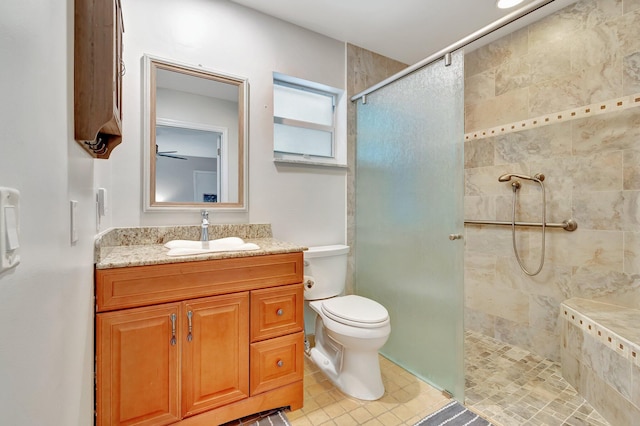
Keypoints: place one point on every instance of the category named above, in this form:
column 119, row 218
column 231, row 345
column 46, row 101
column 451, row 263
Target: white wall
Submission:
column 305, row 205
column 46, row 305
column 175, row 178
column 46, row 342
column 191, row 108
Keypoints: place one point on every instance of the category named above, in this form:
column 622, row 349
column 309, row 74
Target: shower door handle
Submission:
column 455, row 237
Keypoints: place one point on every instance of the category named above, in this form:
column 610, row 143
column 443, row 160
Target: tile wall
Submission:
column 559, row 97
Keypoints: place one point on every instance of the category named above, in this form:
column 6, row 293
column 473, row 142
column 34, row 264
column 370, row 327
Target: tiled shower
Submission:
column 559, row 97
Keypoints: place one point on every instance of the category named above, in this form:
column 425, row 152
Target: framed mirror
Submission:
column 195, row 124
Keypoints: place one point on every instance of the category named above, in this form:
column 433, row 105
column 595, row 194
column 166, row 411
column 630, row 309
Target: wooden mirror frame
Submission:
column 151, row 65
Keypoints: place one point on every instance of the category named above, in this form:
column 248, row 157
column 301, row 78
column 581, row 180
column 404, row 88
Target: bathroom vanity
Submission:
column 197, row 339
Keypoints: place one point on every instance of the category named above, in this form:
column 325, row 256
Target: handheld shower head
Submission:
column 515, row 185
column 539, row 177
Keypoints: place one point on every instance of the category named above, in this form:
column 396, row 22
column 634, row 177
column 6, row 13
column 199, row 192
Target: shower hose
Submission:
column 516, row 187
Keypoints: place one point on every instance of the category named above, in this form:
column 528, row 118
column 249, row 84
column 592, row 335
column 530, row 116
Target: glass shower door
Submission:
column 409, row 200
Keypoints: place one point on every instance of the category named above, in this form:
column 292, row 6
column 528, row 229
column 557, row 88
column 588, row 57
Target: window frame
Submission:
column 338, row 153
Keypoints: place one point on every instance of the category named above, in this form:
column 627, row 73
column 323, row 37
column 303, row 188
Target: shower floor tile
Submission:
column 511, row 386
column 507, row 385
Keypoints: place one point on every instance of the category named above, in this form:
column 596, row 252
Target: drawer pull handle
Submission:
column 280, row 312
column 280, row 363
column 173, row 330
column 190, row 336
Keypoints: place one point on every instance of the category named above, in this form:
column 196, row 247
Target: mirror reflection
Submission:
column 197, row 138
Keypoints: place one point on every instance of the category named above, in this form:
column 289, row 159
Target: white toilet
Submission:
column 349, row 330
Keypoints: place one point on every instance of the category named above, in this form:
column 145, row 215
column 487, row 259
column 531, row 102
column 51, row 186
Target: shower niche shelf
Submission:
column 98, row 74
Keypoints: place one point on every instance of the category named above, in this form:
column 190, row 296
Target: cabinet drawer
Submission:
column 276, row 362
column 276, row 311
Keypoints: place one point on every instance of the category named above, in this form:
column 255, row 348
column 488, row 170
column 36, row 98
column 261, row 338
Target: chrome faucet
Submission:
column 204, row 236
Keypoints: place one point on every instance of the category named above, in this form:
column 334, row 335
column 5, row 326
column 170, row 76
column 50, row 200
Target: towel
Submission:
column 187, row 248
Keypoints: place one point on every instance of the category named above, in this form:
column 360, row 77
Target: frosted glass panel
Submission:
column 302, row 105
column 298, row 140
column 409, row 198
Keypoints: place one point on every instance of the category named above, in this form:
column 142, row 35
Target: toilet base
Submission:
column 359, row 376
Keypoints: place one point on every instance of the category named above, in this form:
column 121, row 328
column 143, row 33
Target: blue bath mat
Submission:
column 453, row 414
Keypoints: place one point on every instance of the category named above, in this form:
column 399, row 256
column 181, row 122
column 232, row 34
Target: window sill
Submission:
column 305, row 162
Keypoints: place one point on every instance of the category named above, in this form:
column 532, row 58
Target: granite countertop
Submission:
column 124, row 247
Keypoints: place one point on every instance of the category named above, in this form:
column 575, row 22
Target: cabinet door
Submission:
column 215, row 352
column 137, row 366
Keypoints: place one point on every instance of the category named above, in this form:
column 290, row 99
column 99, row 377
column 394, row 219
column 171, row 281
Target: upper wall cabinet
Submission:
column 98, row 75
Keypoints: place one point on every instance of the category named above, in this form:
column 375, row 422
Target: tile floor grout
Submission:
column 495, row 373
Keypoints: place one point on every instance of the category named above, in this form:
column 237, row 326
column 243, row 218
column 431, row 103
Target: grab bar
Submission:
column 568, row 225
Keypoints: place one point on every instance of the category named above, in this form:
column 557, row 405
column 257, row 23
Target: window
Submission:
column 304, row 122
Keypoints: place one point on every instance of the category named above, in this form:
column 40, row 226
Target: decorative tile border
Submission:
column 598, row 108
column 625, row 348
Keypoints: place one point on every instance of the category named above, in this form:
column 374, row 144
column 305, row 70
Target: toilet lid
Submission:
column 355, row 309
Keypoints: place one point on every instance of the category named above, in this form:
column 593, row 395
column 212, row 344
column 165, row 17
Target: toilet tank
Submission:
column 326, row 266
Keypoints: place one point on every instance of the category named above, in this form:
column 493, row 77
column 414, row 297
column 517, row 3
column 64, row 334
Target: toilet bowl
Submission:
column 349, row 330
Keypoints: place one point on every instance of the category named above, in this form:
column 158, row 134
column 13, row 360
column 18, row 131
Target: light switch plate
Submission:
column 73, row 205
column 9, row 228
column 102, row 201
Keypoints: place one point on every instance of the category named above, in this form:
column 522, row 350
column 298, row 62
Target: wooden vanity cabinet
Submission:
column 200, row 360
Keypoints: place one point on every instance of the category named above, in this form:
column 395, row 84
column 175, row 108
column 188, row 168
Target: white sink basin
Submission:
column 187, row 247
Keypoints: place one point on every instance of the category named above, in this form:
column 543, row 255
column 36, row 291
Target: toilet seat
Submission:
column 356, row 311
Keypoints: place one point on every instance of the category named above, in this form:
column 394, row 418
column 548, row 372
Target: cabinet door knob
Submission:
column 280, row 363
column 279, row 312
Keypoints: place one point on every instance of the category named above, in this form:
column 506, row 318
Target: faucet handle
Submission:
column 204, row 234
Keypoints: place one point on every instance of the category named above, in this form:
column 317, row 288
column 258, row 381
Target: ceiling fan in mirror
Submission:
column 169, row 154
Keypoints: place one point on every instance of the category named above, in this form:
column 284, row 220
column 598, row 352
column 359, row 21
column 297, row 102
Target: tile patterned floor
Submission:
column 406, row 400
column 511, row 386
column 507, row 385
